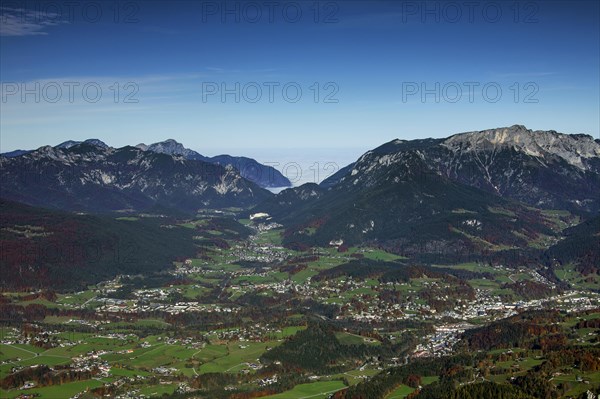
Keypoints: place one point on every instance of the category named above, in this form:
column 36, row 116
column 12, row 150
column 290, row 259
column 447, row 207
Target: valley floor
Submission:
column 251, row 318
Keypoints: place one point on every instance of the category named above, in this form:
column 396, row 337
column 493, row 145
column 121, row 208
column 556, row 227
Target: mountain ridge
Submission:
column 548, row 170
column 263, row 175
column 462, row 193
column 87, row 177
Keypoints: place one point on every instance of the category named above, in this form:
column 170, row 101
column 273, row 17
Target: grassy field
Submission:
column 579, row 386
column 472, row 267
column 128, row 218
column 287, row 332
column 270, row 237
column 158, row 390
column 561, row 219
column 78, row 298
column 56, row 391
column 577, row 280
column 403, row 391
column 314, row 390
column 356, row 376
column 19, row 350
column 378, row 254
column 235, row 357
column 155, row 356
column 28, row 355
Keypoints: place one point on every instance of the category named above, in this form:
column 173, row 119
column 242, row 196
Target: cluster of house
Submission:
column 127, row 306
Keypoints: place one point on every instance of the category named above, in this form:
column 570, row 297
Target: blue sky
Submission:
column 369, row 60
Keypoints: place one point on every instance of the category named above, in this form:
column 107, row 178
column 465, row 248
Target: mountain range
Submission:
column 90, row 177
column 263, row 175
column 471, row 192
column 545, row 169
column 503, row 195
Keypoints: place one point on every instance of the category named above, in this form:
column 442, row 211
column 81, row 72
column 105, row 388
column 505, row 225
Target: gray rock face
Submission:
column 544, row 169
column 576, row 150
column 71, row 143
column 173, row 147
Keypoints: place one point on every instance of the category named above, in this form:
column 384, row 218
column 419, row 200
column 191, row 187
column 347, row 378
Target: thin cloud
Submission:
column 70, row 92
column 523, row 75
column 23, row 22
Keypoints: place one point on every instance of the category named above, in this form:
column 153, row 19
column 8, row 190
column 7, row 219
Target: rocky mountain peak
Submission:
column 67, row 144
column 168, row 146
column 47, row 150
column 545, row 169
column 542, row 144
column 97, row 143
column 71, row 143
